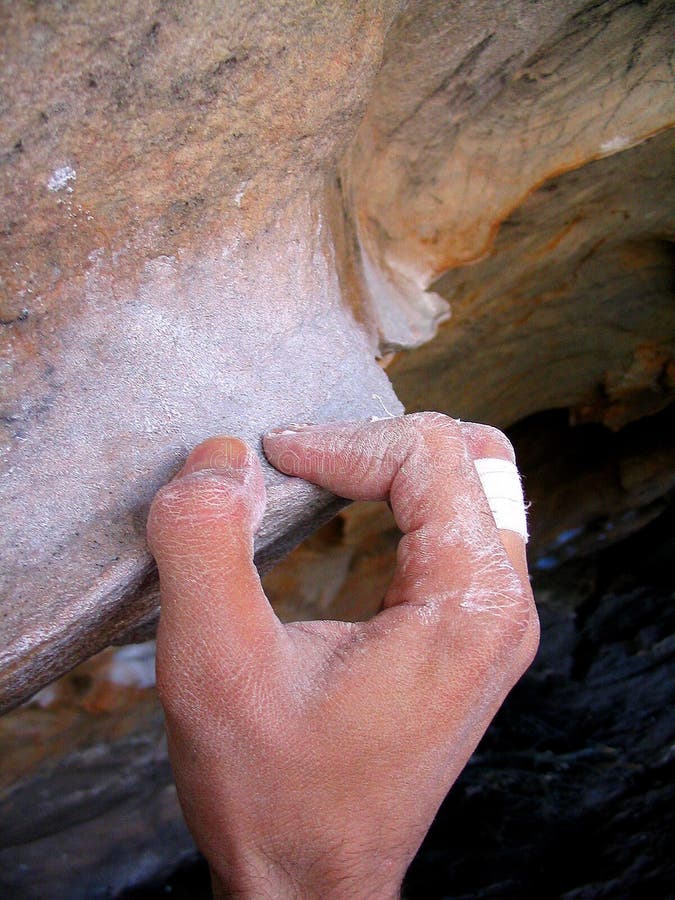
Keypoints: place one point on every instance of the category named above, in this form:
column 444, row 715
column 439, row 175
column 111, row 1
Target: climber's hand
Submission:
column 311, row 758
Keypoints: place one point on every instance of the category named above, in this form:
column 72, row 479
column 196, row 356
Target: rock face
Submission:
column 577, row 291
column 214, row 220
column 88, row 805
column 478, row 105
column 168, row 273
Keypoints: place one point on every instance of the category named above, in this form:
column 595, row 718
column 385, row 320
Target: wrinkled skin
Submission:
column 311, row 758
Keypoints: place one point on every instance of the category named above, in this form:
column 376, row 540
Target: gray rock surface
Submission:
column 168, row 273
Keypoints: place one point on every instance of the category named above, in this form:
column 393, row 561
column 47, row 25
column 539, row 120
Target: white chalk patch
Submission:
column 239, row 196
column 60, row 178
column 501, row 483
column 614, row 144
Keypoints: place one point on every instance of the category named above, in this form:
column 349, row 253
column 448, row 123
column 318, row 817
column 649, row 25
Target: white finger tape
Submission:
column 501, row 483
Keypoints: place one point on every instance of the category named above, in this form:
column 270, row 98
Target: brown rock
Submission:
column 571, row 309
column 476, row 108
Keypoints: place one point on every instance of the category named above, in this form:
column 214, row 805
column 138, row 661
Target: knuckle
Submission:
column 487, row 441
column 519, row 627
column 520, row 612
column 434, row 422
column 530, row 643
column 505, row 601
column 438, row 433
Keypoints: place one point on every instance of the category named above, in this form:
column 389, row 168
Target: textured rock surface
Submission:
column 170, row 243
column 168, row 273
column 476, row 106
column 87, row 804
column 572, row 308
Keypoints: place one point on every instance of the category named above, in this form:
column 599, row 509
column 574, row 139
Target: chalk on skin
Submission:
column 501, row 482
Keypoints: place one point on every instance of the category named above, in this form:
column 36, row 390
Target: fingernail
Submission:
column 224, row 454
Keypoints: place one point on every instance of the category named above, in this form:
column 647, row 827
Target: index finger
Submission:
column 425, row 465
column 459, row 625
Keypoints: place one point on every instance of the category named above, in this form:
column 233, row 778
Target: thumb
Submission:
column 200, row 530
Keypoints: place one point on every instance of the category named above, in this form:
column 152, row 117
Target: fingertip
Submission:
column 220, row 453
column 200, row 530
column 495, row 461
column 221, row 483
column 232, row 461
column 279, row 451
column 351, row 459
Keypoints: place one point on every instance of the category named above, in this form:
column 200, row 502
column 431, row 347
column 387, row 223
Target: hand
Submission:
column 311, row 758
